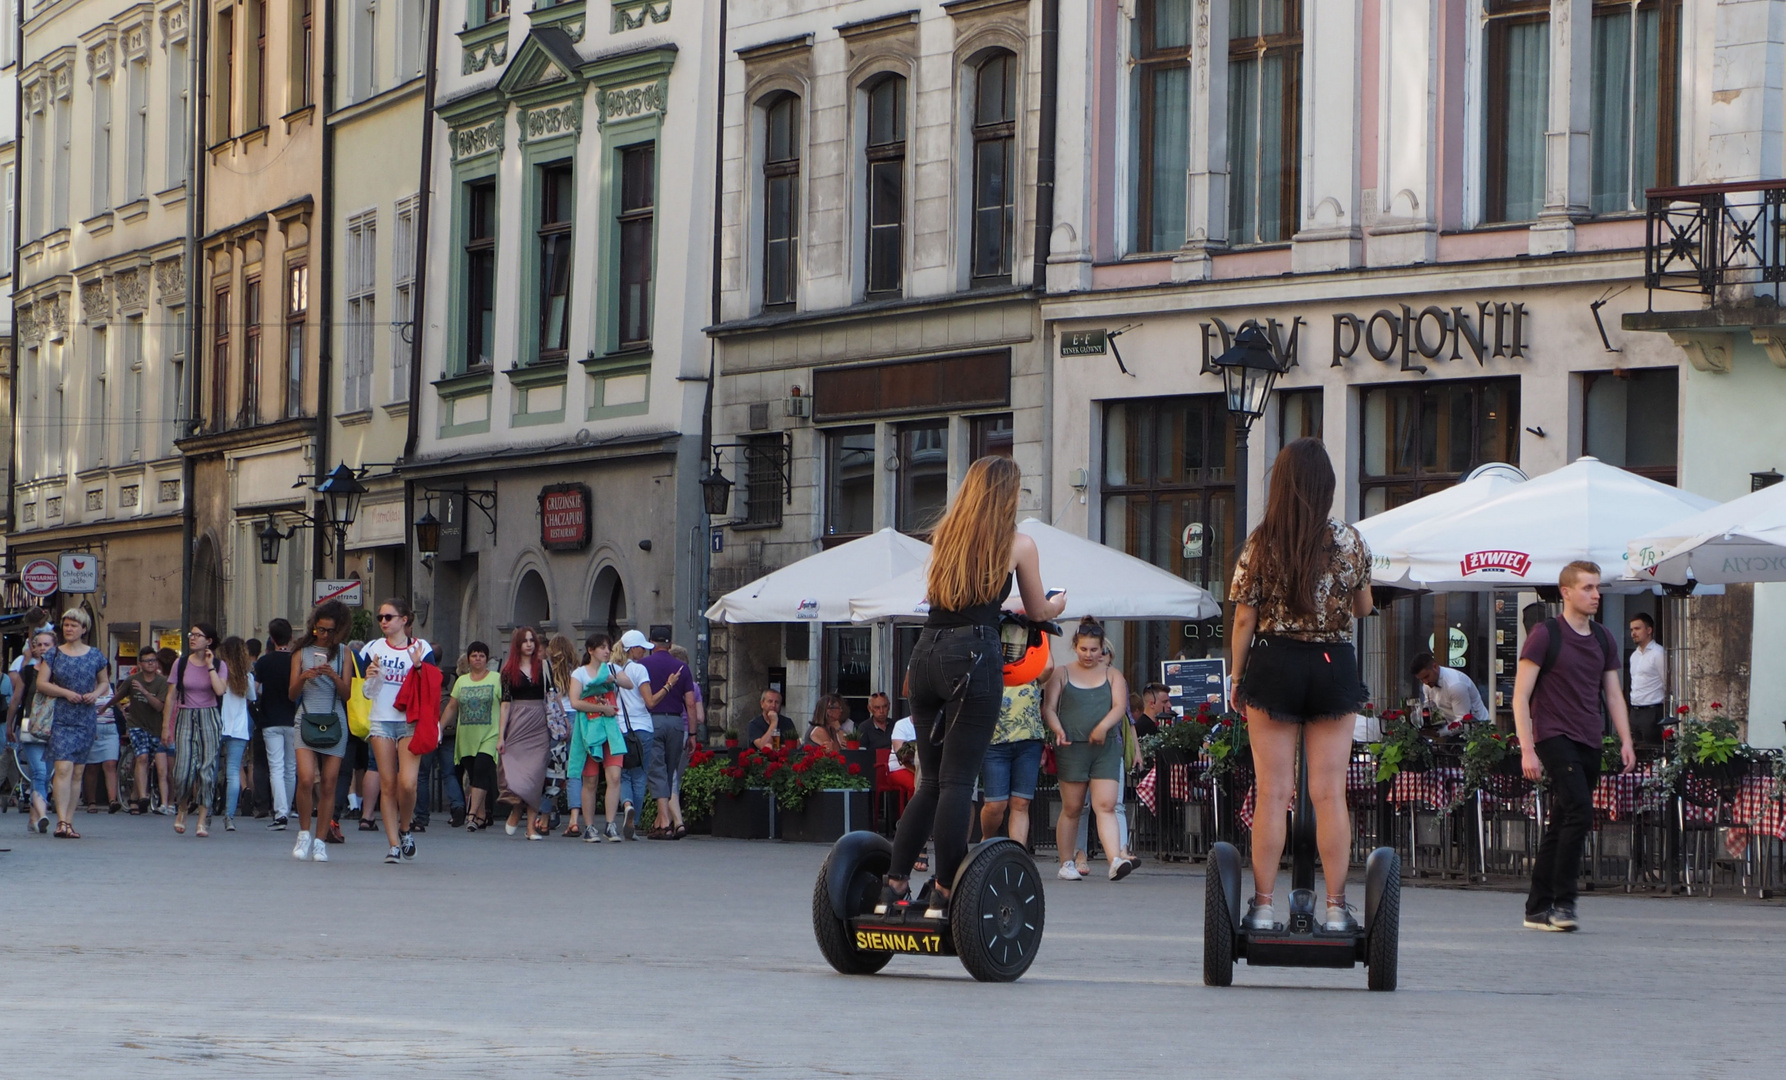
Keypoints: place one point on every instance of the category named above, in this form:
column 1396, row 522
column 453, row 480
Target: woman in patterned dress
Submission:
column 74, row 673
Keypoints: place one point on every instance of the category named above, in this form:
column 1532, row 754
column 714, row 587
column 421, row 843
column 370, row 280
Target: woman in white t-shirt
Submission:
column 387, row 663
column 238, row 691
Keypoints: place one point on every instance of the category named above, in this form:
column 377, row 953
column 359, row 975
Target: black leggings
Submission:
column 944, row 799
column 479, row 771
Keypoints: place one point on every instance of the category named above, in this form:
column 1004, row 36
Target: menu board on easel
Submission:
column 1506, row 651
column 1196, row 682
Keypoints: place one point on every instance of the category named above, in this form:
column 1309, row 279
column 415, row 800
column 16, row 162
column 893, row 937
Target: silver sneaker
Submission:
column 1259, row 917
column 1341, row 919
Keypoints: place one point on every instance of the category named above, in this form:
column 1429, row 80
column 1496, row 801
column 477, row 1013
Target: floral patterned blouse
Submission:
column 1348, row 570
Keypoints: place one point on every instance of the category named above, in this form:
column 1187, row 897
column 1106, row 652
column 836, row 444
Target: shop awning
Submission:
column 1389, row 564
column 1523, row 538
column 1741, row 540
column 818, row 588
column 1099, row 580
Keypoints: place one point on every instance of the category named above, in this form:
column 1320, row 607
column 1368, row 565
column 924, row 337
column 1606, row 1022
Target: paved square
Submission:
column 138, row 953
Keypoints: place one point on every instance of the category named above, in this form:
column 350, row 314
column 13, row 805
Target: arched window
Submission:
column 995, row 167
column 607, row 603
column 532, row 605
column 885, row 247
column 781, row 200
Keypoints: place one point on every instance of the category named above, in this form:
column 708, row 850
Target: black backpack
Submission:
column 1554, row 648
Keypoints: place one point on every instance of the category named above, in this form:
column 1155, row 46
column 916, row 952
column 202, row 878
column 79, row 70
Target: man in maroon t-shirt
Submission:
column 1559, row 725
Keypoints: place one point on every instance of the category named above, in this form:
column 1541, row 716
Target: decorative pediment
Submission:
column 547, row 60
column 475, row 140
column 633, row 14
column 173, row 25
column 547, row 121
column 170, row 277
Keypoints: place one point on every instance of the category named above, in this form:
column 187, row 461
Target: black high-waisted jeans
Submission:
column 944, row 799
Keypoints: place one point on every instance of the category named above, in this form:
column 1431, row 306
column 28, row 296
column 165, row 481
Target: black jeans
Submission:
column 941, row 661
column 1646, row 725
column 1574, row 769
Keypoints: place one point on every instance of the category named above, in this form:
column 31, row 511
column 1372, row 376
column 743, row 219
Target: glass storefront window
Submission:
column 1632, row 419
column 849, row 503
column 849, row 666
column 993, row 435
column 1299, row 415
column 923, row 475
column 1421, row 439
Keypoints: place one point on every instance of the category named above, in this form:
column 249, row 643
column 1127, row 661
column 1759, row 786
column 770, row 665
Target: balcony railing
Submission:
column 1724, row 241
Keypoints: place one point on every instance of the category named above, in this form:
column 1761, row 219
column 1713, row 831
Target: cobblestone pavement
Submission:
column 138, row 953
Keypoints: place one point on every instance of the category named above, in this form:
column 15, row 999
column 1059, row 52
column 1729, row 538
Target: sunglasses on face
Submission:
column 387, row 617
column 321, row 629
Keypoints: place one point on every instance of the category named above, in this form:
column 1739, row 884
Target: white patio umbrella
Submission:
column 1741, row 540
column 819, row 587
column 1584, row 510
column 1099, row 580
column 1389, row 566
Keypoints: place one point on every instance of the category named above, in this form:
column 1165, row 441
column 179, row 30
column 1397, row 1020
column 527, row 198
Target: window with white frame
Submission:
column 179, row 130
column 1636, row 100
column 301, row 71
column 135, row 380
column 297, row 313
column 102, row 144
column 1159, row 124
column 994, row 231
column 256, row 88
column 173, row 382
column 1264, row 119
column 8, row 221
column 361, row 279
column 223, row 77
column 412, row 17
column 1516, row 44
column 781, row 201
column 136, row 120
column 34, row 182
column 884, row 257
column 365, row 49
column 403, row 253
column 96, row 403
column 60, row 171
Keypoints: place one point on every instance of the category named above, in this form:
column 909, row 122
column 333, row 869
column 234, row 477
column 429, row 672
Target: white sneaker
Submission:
column 1069, row 872
column 301, row 850
column 319, row 851
column 1260, row 917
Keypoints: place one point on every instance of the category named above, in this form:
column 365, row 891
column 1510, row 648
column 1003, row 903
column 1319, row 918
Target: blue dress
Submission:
column 76, row 724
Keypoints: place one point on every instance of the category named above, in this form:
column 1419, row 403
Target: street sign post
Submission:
column 79, row 572
column 40, row 577
column 348, row 591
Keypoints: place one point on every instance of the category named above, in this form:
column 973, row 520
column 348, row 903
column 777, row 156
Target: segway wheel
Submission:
column 1382, row 951
column 835, row 939
column 1218, row 930
column 997, row 913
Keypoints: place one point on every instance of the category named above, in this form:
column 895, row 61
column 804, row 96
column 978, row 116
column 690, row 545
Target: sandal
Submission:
column 572, row 830
column 180, row 823
column 203, row 827
column 679, row 832
column 65, row 831
column 368, row 825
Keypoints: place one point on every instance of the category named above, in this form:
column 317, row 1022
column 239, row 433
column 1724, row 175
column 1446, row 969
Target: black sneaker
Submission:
column 1562, row 917
column 395, row 855
column 1540, row 920
column 458, row 818
column 892, row 898
column 937, row 906
column 406, row 844
column 277, row 824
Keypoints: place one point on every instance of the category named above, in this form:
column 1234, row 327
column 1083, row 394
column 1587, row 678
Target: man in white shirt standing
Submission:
column 1649, row 681
column 1450, row 693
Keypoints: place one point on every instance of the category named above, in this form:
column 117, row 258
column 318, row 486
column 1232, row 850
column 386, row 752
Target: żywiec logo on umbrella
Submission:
column 1513, row 562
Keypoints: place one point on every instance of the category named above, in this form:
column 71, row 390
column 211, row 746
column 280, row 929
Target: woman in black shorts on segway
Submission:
column 1300, row 581
column 957, row 667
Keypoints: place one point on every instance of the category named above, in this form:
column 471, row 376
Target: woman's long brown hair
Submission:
column 970, row 550
column 1293, row 543
column 234, row 654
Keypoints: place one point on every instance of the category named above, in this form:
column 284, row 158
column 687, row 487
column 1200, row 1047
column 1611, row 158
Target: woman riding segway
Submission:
column 957, row 668
column 1301, row 580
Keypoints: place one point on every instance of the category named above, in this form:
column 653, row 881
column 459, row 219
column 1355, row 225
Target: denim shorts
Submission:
column 1011, row 769
column 390, row 729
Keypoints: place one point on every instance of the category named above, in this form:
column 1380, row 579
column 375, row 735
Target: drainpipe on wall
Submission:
column 703, row 630
column 325, row 251
column 18, row 221
column 198, row 32
column 418, row 319
column 1049, row 43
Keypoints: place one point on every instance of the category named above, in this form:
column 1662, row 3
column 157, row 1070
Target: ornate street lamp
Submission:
column 344, row 492
column 427, row 532
column 270, row 538
column 716, row 490
column 1249, row 371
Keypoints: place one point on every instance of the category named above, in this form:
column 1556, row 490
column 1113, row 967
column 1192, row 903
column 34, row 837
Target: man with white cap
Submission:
column 635, row 715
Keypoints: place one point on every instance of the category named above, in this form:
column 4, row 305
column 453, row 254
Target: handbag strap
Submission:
column 625, row 716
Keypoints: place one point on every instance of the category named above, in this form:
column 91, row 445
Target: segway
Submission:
column 995, row 913
column 1301, row 942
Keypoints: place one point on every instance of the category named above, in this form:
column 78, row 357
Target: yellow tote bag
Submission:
column 359, row 707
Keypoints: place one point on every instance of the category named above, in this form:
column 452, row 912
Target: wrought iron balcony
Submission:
column 1724, row 241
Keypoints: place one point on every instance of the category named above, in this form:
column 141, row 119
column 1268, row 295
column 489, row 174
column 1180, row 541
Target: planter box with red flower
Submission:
column 826, row 815
column 820, row 795
column 748, row 815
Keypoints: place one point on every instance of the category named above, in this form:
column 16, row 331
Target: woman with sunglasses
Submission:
column 319, row 684
column 388, row 662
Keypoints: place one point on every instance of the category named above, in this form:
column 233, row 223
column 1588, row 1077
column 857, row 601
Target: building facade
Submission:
column 375, row 129
column 101, row 306
column 878, row 330
column 569, row 255
column 1437, row 212
column 9, row 231
column 259, row 444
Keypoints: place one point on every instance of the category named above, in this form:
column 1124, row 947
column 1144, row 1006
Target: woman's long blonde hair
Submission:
column 970, row 550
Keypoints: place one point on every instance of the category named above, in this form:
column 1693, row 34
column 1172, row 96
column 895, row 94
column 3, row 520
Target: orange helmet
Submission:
column 1025, row 648
column 1030, row 667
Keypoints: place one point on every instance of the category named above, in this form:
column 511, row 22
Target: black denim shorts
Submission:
column 1298, row 681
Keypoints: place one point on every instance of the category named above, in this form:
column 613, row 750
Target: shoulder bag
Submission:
column 558, row 721
column 42, row 716
column 359, row 706
column 320, row 731
column 635, row 743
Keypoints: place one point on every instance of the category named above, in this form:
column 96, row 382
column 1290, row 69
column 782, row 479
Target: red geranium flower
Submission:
column 1682, row 711
column 1668, row 733
column 1717, row 705
column 855, row 769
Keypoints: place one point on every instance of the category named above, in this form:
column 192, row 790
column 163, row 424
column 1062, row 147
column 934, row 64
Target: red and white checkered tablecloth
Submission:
column 1361, row 789
column 1433, row 788
column 1760, row 806
column 1620, row 795
column 1186, row 783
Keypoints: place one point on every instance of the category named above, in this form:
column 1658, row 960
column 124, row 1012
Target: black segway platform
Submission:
column 995, row 917
column 1300, row 941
